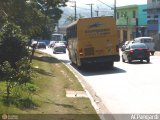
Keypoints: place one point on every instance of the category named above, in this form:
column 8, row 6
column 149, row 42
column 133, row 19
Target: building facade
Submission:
column 153, row 17
column 153, row 21
column 131, row 22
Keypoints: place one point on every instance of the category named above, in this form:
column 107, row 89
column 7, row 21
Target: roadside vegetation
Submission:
column 46, row 93
column 36, row 18
column 35, row 83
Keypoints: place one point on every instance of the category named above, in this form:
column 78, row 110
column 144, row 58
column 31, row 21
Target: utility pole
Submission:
column 91, row 9
column 75, row 10
column 137, row 30
column 115, row 10
column 112, row 8
column 97, row 13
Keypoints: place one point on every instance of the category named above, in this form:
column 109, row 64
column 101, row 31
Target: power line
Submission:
column 97, row 12
column 114, row 8
column 105, row 4
column 83, row 8
column 75, row 10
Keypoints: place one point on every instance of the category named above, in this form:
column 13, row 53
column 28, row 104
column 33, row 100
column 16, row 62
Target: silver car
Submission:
column 59, row 47
column 148, row 41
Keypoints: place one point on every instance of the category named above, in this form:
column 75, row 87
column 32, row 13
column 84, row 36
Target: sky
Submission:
column 99, row 6
column 110, row 2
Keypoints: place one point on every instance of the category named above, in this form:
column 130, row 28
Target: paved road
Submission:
column 127, row 88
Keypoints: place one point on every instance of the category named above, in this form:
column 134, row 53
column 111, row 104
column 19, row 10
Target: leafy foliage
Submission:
column 32, row 18
column 16, row 76
column 15, row 67
column 12, row 44
column 33, row 15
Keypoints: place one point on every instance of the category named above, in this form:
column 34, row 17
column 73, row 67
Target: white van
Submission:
column 148, row 41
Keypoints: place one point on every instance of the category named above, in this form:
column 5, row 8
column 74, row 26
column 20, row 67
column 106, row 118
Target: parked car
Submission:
column 148, row 41
column 59, row 47
column 41, row 45
column 136, row 51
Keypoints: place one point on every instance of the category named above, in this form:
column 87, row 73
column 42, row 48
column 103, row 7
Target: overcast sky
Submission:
column 110, row 2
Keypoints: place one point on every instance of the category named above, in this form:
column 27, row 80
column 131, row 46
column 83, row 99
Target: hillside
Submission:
column 83, row 12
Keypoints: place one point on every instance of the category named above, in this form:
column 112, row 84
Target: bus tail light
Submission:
column 117, row 48
column 81, row 52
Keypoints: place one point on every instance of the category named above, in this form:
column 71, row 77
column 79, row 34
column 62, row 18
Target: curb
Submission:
column 97, row 103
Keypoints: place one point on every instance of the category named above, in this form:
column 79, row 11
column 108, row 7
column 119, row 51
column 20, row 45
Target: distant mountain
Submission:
column 83, row 12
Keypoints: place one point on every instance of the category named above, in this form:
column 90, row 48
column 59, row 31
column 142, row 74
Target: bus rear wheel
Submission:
column 109, row 64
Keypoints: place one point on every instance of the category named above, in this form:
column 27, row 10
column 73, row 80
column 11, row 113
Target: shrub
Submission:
column 12, row 44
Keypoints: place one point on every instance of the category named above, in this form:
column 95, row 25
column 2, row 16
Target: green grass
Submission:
column 52, row 79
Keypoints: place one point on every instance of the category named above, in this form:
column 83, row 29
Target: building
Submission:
column 153, row 21
column 153, row 17
column 131, row 22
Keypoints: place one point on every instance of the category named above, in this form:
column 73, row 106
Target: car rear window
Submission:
column 42, row 43
column 59, row 44
column 135, row 46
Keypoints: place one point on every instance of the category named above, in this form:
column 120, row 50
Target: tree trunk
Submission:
column 8, row 92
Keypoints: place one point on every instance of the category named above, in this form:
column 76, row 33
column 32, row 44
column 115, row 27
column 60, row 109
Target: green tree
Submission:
column 17, row 76
column 51, row 9
column 15, row 66
column 71, row 18
column 33, row 16
column 12, row 44
column 26, row 15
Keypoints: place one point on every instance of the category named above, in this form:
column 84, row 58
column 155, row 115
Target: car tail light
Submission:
column 131, row 51
column 81, row 52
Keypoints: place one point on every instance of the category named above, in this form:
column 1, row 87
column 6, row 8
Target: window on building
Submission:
column 125, row 14
column 148, row 16
column 152, row 22
column 134, row 14
column 156, row 16
column 122, row 14
column 158, row 0
column 117, row 15
column 153, row 0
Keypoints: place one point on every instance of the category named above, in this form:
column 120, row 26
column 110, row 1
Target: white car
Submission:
column 59, row 47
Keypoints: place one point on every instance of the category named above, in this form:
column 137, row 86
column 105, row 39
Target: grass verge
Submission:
column 50, row 102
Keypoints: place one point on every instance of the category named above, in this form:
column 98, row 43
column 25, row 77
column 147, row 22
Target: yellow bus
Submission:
column 93, row 41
